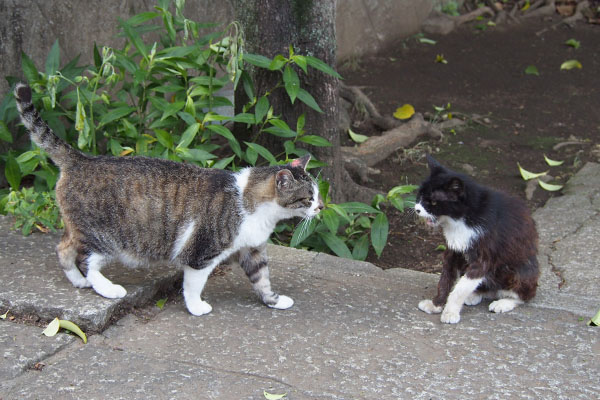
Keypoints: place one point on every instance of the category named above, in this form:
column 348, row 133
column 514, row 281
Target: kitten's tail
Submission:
column 60, row 152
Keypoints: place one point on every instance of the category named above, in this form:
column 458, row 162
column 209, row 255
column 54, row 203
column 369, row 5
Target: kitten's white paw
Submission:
column 473, row 299
column 503, row 305
column 428, row 307
column 450, row 316
column 110, row 291
column 198, row 307
column 283, row 303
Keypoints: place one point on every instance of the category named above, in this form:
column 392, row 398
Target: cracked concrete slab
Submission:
column 33, row 282
column 569, row 228
column 23, row 346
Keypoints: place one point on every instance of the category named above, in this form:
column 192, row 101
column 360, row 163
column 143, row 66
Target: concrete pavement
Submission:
column 354, row 331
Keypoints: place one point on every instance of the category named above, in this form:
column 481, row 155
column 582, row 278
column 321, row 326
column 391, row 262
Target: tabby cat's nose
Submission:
column 321, row 206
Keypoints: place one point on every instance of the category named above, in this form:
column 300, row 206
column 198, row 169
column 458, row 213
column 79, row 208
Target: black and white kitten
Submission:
column 491, row 244
column 141, row 211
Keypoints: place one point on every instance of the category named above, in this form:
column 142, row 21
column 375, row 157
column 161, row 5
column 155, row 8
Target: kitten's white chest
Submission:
column 459, row 236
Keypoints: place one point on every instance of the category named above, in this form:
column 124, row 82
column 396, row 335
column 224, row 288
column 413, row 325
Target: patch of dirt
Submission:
column 521, row 116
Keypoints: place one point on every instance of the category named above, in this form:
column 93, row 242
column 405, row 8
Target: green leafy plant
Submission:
column 164, row 99
column 350, row 229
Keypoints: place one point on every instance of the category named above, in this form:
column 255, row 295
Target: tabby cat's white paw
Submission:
column 450, row 316
column 198, row 307
column 428, row 307
column 283, row 303
column 503, row 305
column 473, row 299
column 76, row 279
column 110, row 291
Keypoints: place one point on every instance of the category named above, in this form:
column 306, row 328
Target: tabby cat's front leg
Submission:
column 254, row 262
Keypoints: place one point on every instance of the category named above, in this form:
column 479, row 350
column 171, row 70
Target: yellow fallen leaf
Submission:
column 358, row 138
column 552, row 163
column 570, row 64
column 529, row 175
column 271, row 396
column 126, row 150
column 549, row 187
column 3, row 316
column 52, row 328
column 404, row 112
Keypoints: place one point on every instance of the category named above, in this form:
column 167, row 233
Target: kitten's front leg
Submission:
column 254, row 263
column 452, row 263
column 464, row 288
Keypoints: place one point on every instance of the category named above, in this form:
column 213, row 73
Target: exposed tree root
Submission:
column 361, row 158
column 444, row 24
column 356, row 97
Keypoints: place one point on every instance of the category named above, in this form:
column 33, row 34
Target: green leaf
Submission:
column 402, row 189
column 529, row 175
column 361, row 248
column 277, row 131
column 5, row 133
column 552, row 163
column 321, row 66
column 356, row 137
column 300, row 124
column 266, row 154
column 115, row 114
column 271, row 396
column 339, row 210
column 291, row 82
column 573, row 43
column 244, row 118
column 331, row 220
column 549, row 187
column 160, row 303
column 441, row 247
column 223, row 163
column 195, row 154
column 379, row 233
column 97, row 57
column 357, row 207
column 53, row 60
column 301, row 62
column 188, row 135
column 315, row 140
column 29, row 70
column 277, row 63
column 397, row 202
column 303, row 230
column 336, row 245
column 226, row 133
column 532, row 70
column 261, row 108
column 141, row 18
column 135, row 38
column 71, row 327
column 570, row 64
column 307, row 99
column 164, row 138
column 12, row 172
column 258, row 60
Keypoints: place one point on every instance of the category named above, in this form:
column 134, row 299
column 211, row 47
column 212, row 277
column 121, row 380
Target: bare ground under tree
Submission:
column 511, row 116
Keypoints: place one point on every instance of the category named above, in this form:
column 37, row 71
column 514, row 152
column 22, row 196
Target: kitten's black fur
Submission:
column 492, row 243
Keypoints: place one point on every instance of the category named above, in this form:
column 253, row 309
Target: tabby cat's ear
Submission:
column 301, row 162
column 284, row 178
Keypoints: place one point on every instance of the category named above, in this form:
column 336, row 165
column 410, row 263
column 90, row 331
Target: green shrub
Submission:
column 160, row 99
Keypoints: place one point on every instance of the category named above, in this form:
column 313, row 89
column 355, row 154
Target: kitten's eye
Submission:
column 433, row 202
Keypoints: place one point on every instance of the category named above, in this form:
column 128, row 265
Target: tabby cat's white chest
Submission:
column 256, row 228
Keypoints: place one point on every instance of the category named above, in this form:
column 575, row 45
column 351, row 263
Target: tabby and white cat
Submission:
column 139, row 210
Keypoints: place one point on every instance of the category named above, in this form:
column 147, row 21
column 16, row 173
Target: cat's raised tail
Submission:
column 60, row 152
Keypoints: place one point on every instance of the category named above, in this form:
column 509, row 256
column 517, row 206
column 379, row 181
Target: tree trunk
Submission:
column 270, row 27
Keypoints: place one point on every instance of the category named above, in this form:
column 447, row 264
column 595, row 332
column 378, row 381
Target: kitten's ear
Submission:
column 284, row 178
column 433, row 164
column 457, row 186
column 301, row 162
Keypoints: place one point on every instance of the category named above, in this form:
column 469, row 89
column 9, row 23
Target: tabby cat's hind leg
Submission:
column 254, row 263
column 67, row 257
column 102, row 285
